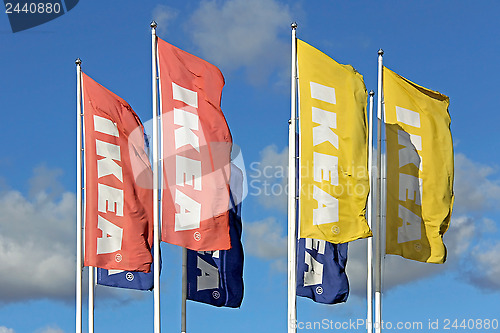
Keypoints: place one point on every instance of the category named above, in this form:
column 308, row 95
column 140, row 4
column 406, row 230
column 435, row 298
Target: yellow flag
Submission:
column 333, row 148
column 419, row 169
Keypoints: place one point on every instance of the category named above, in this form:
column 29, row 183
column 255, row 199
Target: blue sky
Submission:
column 450, row 46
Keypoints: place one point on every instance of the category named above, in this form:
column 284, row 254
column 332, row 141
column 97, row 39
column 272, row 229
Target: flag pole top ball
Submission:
column 372, row 93
column 78, row 61
column 294, row 25
column 380, row 52
column 153, row 24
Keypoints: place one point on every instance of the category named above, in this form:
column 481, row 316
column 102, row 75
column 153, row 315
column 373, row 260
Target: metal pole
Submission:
column 292, row 213
column 91, row 299
column 369, row 257
column 79, row 209
column 184, row 290
column 156, row 224
column 378, row 245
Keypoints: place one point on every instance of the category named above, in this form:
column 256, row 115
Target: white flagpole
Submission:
column 91, row 299
column 292, row 213
column 378, row 245
column 184, row 290
column 369, row 258
column 79, row 210
column 156, row 223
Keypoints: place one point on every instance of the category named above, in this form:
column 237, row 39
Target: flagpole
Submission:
column 78, row 63
column 91, row 299
column 292, row 232
column 378, row 245
column 184, row 290
column 369, row 258
column 156, row 227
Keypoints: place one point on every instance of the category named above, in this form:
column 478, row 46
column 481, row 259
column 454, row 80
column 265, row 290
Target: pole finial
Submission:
column 380, row 52
column 78, row 61
column 294, row 25
column 372, row 93
column 153, row 24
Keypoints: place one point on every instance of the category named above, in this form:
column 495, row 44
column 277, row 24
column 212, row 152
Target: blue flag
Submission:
column 321, row 271
column 216, row 277
column 125, row 279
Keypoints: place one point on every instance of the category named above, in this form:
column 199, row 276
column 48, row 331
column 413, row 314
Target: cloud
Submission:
column 4, row 329
column 50, row 329
column 264, row 239
column 486, row 263
column 37, row 245
column 37, row 241
column 399, row 271
column 242, row 34
column 164, row 16
column 474, row 187
column 268, row 178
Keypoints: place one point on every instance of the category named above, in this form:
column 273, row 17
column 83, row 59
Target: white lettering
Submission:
column 328, row 207
column 323, row 93
column 314, row 273
column 189, row 214
column 185, row 95
column 188, row 172
column 409, row 153
column 107, row 165
column 108, row 197
column 317, row 244
column 209, row 278
column 112, row 235
column 106, row 126
column 407, row 117
column 410, row 230
column 326, row 168
column 410, row 187
column 324, row 132
column 184, row 135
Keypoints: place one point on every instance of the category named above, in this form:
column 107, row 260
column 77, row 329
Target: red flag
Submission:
column 118, row 178
column 196, row 152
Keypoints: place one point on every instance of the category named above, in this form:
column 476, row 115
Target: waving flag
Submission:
column 216, row 277
column 419, row 169
column 126, row 279
column 196, row 152
column 118, row 195
column 333, row 148
column 321, row 271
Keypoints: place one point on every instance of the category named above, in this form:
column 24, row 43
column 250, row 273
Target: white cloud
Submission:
column 268, row 178
column 486, row 261
column 37, row 240
column 4, row 329
column 38, row 247
column 264, row 239
column 240, row 33
column 164, row 16
column 475, row 190
column 400, row 271
column 50, row 329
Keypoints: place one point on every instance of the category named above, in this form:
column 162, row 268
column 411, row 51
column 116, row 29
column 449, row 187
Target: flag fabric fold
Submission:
column 333, row 148
column 196, row 152
column 118, row 194
column 126, row 279
column 419, row 169
column 321, row 272
column 216, row 277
